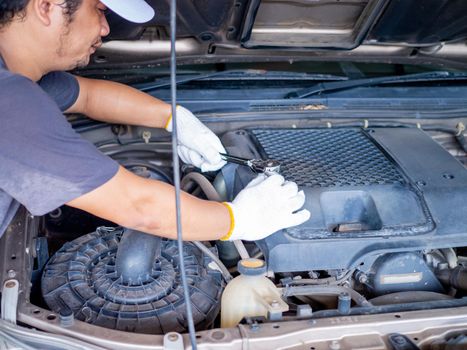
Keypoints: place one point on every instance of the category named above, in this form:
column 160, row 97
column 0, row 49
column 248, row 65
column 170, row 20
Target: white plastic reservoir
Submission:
column 251, row 294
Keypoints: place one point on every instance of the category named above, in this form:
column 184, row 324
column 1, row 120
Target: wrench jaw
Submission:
column 267, row 166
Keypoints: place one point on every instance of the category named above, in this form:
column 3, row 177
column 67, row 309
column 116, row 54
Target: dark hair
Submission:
column 12, row 8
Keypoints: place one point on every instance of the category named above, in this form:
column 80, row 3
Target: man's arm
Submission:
column 116, row 103
column 129, row 200
column 149, row 206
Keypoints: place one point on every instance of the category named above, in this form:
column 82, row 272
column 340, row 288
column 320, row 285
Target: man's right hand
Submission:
column 198, row 145
column 264, row 206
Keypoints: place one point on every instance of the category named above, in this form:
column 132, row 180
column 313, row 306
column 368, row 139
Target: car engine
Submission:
column 388, row 228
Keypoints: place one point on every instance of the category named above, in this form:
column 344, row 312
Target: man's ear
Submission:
column 44, row 10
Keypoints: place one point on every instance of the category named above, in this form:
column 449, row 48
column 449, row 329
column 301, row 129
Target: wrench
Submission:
column 266, row 166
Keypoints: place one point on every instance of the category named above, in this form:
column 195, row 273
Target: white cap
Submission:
column 137, row 11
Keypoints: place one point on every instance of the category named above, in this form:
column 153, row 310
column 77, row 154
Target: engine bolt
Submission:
column 173, row 336
column 274, row 303
column 218, row 335
column 363, row 278
column 146, row 136
column 66, row 317
column 11, row 273
column 399, row 340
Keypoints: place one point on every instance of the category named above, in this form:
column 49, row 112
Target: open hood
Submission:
column 400, row 31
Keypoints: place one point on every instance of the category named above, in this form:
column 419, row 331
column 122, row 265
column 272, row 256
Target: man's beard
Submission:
column 80, row 63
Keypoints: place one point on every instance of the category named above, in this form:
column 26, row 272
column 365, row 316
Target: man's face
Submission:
column 82, row 36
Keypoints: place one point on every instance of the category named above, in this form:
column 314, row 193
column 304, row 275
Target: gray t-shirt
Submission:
column 44, row 163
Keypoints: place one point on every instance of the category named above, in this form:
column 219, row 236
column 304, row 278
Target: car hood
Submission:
column 391, row 31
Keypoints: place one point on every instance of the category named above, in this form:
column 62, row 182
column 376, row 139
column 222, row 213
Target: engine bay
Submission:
column 387, row 233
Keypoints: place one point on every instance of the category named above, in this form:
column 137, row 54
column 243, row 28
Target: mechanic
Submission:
column 44, row 163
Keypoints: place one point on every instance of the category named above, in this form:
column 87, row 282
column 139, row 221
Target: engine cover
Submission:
column 370, row 191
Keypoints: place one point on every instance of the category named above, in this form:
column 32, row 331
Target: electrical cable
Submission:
column 241, row 249
column 176, row 168
column 323, row 281
column 359, row 299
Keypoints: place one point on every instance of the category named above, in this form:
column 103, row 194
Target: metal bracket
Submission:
column 173, row 341
column 10, row 300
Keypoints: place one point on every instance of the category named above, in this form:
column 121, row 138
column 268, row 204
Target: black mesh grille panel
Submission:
column 327, row 158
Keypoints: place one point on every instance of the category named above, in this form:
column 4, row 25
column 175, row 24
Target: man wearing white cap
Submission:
column 44, row 163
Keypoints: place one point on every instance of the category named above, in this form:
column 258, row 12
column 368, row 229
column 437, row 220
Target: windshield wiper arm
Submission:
column 349, row 84
column 241, row 74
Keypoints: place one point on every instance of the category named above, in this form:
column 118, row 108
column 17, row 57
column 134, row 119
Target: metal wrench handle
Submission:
column 237, row 160
column 268, row 166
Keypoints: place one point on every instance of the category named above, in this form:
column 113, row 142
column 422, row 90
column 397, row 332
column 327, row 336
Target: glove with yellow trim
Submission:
column 197, row 145
column 266, row 205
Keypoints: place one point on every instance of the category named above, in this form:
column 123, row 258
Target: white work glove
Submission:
column 264, row 206
column 197, row 145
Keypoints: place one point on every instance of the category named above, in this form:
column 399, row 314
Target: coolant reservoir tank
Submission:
column 251, row 294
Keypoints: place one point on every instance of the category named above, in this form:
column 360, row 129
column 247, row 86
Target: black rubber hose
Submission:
column 135, row 257
column 203, row 183
column 462, row 141
column 456, row 278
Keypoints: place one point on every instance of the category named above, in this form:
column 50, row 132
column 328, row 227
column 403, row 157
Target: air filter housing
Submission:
column 82, row 277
